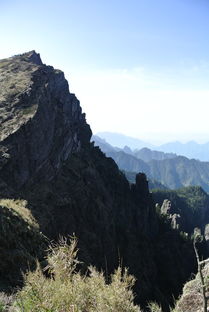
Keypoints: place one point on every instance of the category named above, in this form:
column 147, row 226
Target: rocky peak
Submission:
column 34, row 57
column 41, row 122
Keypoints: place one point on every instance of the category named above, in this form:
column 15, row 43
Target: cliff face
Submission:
column 41, row 122
column 46, row 158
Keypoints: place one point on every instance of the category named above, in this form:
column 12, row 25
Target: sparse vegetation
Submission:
column 4, row 63
column 154, row 307
column 6, row 302
column 68, row 290
column 21, row 243
column 19, row 206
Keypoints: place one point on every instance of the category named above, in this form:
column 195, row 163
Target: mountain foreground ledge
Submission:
column 49, row 167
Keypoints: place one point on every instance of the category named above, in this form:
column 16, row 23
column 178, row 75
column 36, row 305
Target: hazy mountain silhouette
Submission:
column 169, row 169
column 190, row 149
column 121, row 140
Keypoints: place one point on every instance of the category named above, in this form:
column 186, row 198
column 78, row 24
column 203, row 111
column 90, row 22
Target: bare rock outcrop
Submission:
column 41, row 122
column 192, row 299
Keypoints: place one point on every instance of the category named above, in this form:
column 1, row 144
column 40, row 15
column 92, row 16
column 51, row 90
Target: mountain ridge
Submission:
column 190, row 149
column 170, row 170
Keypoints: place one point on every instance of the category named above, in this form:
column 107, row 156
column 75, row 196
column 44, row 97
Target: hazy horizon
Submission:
column 140, row 68
column 148, row 138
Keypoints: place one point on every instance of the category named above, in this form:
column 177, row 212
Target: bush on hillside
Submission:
column 21, row 242
column 68, row 290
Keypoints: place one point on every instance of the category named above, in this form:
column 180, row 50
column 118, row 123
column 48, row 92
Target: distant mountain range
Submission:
column 170, row 170
column 121, row 140
column 144, row 153
column 190, row 149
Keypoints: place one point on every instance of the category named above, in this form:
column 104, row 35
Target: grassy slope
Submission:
column 21, row 243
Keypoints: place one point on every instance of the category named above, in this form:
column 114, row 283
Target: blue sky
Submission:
column 138, row 67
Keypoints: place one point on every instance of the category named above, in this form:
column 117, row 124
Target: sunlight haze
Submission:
column 140, row 68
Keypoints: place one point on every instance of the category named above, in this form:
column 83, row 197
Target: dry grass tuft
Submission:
column 68, row 290
column 19, row 206
column 6, row 302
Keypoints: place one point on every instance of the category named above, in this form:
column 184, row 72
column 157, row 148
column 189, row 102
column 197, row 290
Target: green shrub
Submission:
column 2, row 307
column 67, row 290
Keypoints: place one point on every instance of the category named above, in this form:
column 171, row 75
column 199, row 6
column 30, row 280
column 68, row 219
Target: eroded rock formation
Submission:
column 41, row 121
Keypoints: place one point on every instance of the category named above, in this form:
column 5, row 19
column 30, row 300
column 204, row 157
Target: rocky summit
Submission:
column 69, row 186
column 41, row 122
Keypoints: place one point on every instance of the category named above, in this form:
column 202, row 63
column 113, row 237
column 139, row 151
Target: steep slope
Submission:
column 41, row 122
column 71, row 187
